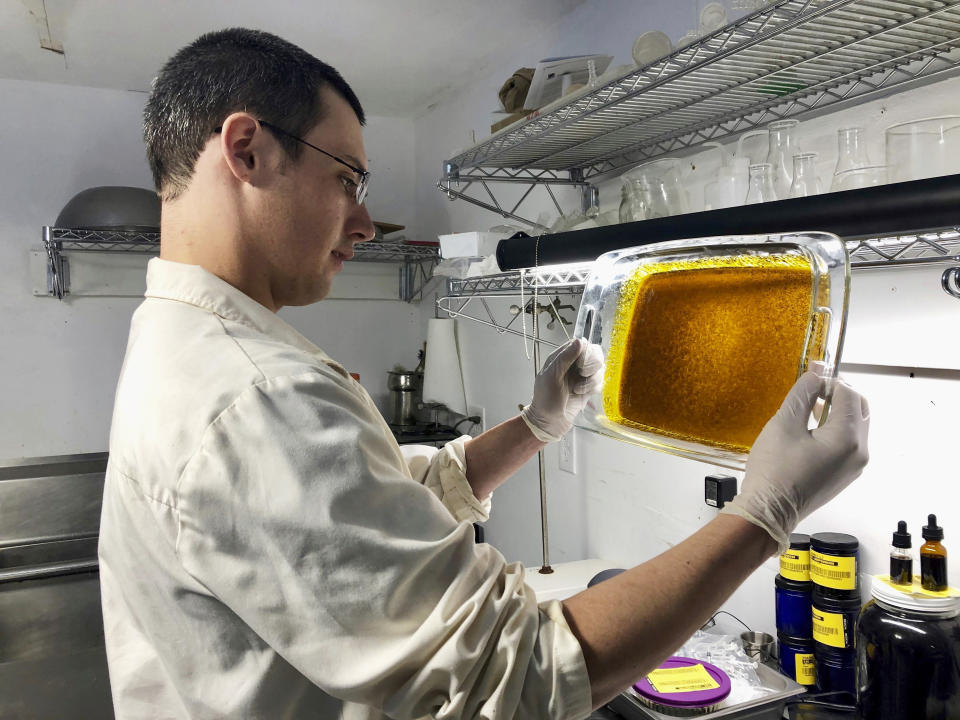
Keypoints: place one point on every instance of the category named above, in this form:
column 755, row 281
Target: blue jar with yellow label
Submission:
column 834, row 620
column 836, row 669
column 793, row 604
column 835, row 564
column 796, row 659
column 795, row 560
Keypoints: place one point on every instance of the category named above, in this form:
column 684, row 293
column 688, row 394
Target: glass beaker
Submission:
column 923, row 148
column 661, row 187
column 805, row 181
column 761, row 184
column 634, row 201
column 783, row 147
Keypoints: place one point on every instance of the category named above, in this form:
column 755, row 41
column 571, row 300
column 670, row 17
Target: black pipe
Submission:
column 881, row 210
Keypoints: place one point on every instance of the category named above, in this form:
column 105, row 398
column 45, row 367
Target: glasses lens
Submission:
column 362, row 189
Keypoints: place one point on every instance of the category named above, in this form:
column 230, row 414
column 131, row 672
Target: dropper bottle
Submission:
column 901, row 563
column 933, row 557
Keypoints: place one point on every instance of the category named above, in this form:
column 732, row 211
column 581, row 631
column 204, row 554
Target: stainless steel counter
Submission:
column 52, row 658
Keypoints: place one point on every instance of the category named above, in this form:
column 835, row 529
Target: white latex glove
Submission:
column 572, row 373
column 791, row 470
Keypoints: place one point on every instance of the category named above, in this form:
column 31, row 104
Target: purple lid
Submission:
column 691, row 698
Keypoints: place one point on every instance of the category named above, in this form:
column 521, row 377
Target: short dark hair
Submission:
column 224, row 72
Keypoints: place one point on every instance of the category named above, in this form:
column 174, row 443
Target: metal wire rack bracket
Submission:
column 791, row 58
column 468, row 298
column 416, row 261
column 465, row 298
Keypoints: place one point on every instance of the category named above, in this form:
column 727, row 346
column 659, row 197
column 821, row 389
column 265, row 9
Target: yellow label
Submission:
column 839, row 573
column 682, row 679
column 805, row 669
column 795, row 565
column 830, row 628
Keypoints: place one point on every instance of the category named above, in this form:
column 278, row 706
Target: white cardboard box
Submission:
column 470, row 244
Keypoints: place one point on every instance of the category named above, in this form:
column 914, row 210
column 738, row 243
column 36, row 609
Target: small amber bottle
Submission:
column 933, row 557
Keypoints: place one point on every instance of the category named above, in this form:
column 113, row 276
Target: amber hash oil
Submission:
column 705, row 349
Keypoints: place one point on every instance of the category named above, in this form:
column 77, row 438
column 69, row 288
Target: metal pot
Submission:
column 406, row 390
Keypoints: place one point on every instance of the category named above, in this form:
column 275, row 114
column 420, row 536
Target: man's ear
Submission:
column 242, row 146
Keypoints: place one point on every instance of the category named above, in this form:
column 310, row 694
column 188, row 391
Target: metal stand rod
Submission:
column 545, row 569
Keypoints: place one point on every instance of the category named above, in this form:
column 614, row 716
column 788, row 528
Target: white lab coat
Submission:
column 268, row 551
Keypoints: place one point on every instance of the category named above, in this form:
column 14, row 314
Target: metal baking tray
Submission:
column 769, row 707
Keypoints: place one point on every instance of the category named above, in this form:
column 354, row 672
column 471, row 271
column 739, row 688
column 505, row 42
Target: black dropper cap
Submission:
column 932, row 531
column 901, row 538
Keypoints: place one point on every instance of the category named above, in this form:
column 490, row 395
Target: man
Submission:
column 267, row 550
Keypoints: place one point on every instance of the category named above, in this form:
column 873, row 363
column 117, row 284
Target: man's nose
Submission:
column 361, row 227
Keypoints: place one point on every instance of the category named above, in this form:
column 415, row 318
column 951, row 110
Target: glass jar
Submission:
column 908, row 655
column 761, row 184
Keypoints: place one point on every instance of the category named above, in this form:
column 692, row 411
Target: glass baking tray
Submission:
column 704, row 338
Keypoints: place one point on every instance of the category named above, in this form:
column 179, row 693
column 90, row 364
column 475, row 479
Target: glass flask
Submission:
column 851, row 150
column 805, row 181
column 761, row 187
column 861, row 177
column 783, row 147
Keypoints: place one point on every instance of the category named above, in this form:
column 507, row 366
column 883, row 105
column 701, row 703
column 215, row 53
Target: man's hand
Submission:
column 568, row 377
column 791, row 470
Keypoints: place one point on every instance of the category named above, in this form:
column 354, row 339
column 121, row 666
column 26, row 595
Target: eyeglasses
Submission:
column 362, row 184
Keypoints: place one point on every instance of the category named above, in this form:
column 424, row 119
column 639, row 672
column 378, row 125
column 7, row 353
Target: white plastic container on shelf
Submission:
column 470, row 244
column 566, row 580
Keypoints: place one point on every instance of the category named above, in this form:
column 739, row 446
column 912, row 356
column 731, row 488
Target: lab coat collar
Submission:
column 192, row 284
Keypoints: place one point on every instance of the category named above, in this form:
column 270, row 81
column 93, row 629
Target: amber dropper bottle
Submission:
column 901, row 563
column 933, row 557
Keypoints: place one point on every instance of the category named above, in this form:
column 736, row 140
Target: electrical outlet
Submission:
column 568, row 452
column 482, row 413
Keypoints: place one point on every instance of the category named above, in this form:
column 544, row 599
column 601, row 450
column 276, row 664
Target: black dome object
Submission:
column 112, row 208
column 604, row 575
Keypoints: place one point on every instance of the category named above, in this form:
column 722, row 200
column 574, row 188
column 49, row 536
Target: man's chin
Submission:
column 307, row 296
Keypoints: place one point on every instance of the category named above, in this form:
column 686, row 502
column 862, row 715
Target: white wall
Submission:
column 59, row 361
column 627, row 504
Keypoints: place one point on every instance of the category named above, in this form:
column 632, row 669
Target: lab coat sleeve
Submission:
column 443, row 472
column 299, row 515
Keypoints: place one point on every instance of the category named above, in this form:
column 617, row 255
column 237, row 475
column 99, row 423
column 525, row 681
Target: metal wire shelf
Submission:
column 910, row 249
column 791, row 58
column 465, row 298
column 416, row 260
